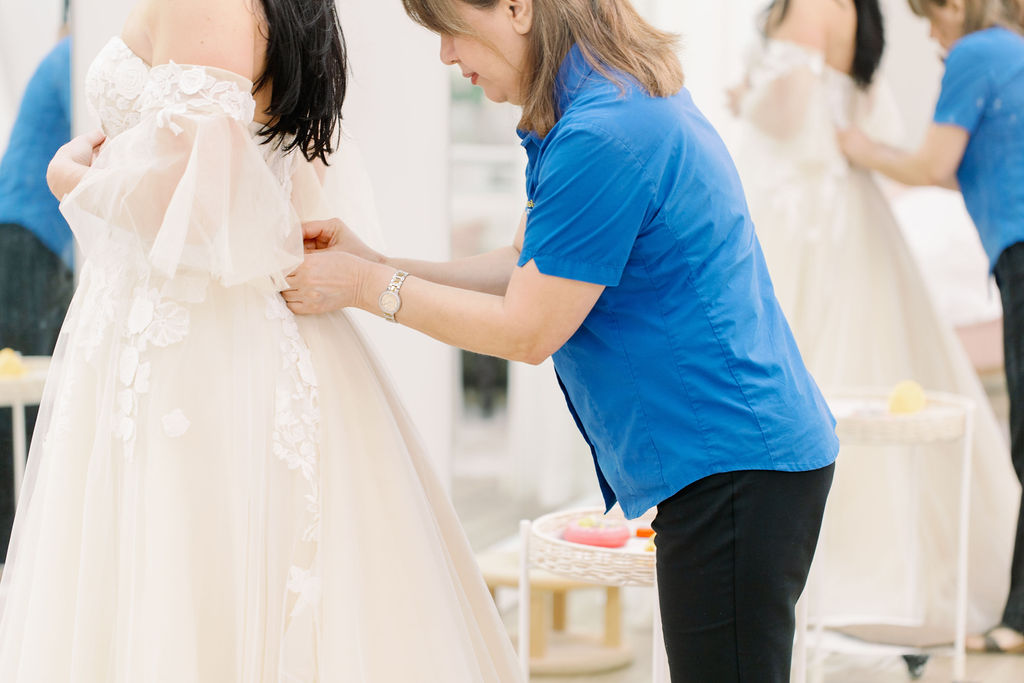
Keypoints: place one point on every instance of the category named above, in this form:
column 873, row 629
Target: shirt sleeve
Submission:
column 965, row 87
column 590, row 200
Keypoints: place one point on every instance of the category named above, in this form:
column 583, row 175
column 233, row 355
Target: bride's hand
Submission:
column 72, row 161
column 328, row 280
column 855, row 145
column 334, row 234
column 735, row 96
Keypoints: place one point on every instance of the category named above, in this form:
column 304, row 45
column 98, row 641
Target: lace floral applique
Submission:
column 174, row 90
column 306, row 587
column 113, row 85
column 296, row 422
column 176, row 423
column 152, row 320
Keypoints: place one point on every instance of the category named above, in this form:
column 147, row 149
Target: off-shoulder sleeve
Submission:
column 786, row 83
column 190, row 186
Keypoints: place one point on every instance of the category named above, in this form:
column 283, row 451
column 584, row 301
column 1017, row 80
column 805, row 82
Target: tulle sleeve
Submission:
column 785, row 83
column 189, row 187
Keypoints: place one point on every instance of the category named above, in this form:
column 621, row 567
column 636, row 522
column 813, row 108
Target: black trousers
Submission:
column 1010, row 278
column 734, row 551
column 35, row 292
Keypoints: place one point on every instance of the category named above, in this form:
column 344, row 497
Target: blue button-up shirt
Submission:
column 42, row 126
column 983, row 93
column 686, row 366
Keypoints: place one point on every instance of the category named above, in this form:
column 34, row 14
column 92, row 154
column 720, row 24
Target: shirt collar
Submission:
column 572, row 76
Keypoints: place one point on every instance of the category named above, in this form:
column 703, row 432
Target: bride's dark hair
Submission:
column 870, row 36
column 307, row 71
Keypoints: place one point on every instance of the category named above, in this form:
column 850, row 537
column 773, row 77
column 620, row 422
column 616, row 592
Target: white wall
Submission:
column 28, row 30
column 398, row 110
column 911, row 68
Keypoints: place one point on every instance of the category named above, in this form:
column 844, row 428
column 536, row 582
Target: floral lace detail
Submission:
column 173, row 90
column 296, row 422
column 176, row 423
column 152, row 320
column 113, row 85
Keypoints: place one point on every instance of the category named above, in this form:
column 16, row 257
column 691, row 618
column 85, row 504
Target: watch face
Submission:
column 389, row 302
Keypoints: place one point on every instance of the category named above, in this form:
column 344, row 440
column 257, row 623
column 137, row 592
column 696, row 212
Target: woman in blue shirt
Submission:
column 976, row 144
column 636, row 267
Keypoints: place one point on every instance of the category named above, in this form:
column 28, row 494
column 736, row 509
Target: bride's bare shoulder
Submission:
column 813, row 23
column 218, row 33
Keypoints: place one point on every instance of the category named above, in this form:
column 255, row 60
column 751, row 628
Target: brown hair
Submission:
column 980, row 14
column 610, row 33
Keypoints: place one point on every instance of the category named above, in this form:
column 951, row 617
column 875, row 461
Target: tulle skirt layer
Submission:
column 218, row 491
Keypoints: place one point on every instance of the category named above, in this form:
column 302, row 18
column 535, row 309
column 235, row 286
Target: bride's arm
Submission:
column 779, row 109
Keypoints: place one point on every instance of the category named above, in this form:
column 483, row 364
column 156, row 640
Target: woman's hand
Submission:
column 72, row 161
column 334, row 234
column 328, row 280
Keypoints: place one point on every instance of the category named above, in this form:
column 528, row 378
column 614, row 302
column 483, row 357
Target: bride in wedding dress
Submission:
column 218, row 491
column 862, row 316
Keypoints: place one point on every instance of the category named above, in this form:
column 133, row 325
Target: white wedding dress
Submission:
column 862, row 316
column 219, row 491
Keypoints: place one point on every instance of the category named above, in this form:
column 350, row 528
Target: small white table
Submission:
column 16, row 393
column 863, row 419
column 542, row 546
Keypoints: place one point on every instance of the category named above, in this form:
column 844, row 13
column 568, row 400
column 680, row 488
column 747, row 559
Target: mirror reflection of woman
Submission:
column 976, row 144
column 862, row 315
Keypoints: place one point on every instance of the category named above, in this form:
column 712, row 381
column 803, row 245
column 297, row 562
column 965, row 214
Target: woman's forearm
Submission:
column 476, row 320
column 905, row 167
column 935, row 162
column 487, row 273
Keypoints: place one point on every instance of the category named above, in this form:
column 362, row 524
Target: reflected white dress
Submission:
column 219, row 491
column 862, row 316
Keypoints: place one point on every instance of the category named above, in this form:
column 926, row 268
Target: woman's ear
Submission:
column 520, row 13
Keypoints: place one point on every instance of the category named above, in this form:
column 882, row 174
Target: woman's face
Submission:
column 494, row 56
column 947, row 22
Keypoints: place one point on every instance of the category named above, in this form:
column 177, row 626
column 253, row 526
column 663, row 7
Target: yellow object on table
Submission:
column 907, row 397
column 11, row 364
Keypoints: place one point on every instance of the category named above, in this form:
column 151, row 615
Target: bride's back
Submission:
column 227, row 34
column 293, row 52
column 826, row 26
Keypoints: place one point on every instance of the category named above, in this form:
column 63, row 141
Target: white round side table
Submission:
column 16, row 393
column 863, row 419
column 542, row 546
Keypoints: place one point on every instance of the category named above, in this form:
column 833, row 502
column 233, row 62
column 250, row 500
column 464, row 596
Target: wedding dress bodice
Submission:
column 121, row 87
column 182, row 177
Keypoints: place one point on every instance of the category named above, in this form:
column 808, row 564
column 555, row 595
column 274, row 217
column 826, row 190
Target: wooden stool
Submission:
column 553, row 649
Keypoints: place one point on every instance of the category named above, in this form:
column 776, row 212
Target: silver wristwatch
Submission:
column 390, row 302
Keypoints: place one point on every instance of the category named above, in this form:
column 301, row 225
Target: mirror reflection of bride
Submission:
column 863, row 316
